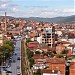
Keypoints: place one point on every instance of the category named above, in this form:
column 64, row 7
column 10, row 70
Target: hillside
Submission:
column 68, row 19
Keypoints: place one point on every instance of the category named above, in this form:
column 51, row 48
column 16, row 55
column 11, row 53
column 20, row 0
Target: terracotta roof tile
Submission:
column 56, row 60
column 72, row 65
column 32, row 45
column 49, row 71
column 38, row 56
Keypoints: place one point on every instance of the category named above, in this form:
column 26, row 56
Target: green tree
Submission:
column 27, row 41
column 29, row 53
column 1, row 54
column 37, row 52
column 38, row 72
column 64, row 52
column 7, row 48
column 54, row 52
column 59, row 56
column 31, row 60
column 17, row 25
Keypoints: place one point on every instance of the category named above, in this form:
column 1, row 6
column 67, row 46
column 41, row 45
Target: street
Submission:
column 15, row 65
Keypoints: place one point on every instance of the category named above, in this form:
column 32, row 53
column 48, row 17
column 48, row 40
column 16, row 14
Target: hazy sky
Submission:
column 37, row 8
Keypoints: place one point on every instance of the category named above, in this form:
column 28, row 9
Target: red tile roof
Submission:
column 38, row 56
column 56, row 60
column 65, row 42
column 32, row 45
column 32, row 34
column 72, row 65
column 49, row 71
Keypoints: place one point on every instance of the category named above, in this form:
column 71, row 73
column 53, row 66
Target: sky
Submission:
column 37, row 8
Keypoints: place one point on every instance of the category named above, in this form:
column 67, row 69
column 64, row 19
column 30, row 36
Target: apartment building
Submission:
column 48, row 36
column 57, row 64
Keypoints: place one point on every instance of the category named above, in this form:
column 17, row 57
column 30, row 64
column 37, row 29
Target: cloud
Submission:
column 69, row 10
column 38, row 12
column 5, row 6
column 33, row 11
column 5, row 0
column 15, row 9
column 41, row 12
column 48, row 12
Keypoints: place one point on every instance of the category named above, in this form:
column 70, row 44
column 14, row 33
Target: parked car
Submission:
column 14, row 61
column 18, row 58
column 18, row 67
column 9, row 64
column 4, row 68
column 8, row 71
column 18, row 73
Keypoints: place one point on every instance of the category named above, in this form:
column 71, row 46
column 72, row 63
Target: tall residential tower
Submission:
column 48, row 36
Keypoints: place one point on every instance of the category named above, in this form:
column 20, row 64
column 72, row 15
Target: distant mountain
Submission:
column 7, row 17
column 68, row 19
column 45, row 19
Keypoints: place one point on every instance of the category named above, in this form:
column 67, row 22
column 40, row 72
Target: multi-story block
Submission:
column 57, row 64
column 72, row 68
column 48, row 36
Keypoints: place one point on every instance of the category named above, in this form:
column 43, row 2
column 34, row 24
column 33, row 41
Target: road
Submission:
column 16, row 63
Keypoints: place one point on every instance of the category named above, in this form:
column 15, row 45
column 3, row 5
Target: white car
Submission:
column 18, row 73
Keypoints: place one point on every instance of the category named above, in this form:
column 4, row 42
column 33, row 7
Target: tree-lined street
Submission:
column 15, row 60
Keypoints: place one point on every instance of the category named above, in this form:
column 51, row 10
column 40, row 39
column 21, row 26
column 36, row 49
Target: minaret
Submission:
column 5, row 23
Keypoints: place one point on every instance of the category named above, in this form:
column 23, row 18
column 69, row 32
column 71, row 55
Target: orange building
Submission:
column 59, row 48
column 72, row 68
column 57, row 64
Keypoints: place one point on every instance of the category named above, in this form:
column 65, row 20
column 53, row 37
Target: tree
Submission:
column 27, row 41
column 54, row 52
column 17, row 25
column 1, row 56
column 31, row 60
column 7, row 48
column 29, row 53
column 37, row 52
column 64, row 52
column 38, row 72
column 59, row 56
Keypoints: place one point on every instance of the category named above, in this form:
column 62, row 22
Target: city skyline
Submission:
column 37, row 8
